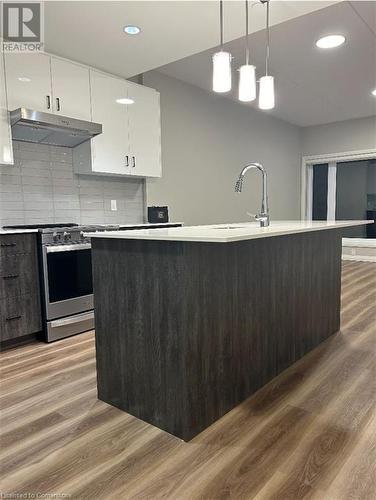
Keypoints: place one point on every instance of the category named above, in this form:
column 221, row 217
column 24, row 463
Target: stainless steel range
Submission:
column 66, row 278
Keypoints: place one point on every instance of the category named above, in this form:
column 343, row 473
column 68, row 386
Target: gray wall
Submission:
column 206, row 139
column 350, row 135
column 42, row 187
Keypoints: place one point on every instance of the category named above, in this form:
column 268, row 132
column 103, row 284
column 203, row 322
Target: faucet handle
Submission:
column 254, row 216
column 262, row 218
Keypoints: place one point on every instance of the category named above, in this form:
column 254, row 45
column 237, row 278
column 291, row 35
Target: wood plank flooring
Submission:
column 310, row 433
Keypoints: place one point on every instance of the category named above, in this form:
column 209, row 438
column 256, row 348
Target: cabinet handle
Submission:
column 10, row 277
column 48, row 101
column 133, row 161
column 127, row 161
column 10, row 318
column 58, row 104
column 8, row 244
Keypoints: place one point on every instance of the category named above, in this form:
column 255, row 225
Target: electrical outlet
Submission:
column 113, row 205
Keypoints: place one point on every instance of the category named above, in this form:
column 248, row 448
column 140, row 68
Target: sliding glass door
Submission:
column 342, row 191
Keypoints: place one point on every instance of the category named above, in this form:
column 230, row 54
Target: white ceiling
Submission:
column 91, row 31
column 312, row 86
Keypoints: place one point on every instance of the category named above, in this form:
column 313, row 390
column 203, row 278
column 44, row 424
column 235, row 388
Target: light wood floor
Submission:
column 310, row 433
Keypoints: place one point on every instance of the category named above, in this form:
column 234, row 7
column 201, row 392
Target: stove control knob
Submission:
column 66, row 236
column 55, row 236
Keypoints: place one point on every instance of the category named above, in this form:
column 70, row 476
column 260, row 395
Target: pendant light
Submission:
column 266, row 91
column 221, row 62
column 247, row 72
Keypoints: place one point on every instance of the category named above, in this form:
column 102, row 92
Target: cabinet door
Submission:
column 6, row 150
column 111, row 148
column 144, row 131
column 28, row 78
column 70, row 89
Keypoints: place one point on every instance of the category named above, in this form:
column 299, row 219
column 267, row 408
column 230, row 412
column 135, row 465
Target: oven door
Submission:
column 68, row 284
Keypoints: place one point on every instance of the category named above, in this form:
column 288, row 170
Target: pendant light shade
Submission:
column 247, row 83
column 222, row 71
column 247, row 72
column 266, row 92
column 222, row 80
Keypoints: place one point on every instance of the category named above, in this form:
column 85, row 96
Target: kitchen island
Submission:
column 191, row 321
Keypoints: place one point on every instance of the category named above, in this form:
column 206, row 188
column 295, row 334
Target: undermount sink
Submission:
column 230, row 227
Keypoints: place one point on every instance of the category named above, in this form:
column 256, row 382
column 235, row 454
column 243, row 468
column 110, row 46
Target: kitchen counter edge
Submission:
column 218, row 233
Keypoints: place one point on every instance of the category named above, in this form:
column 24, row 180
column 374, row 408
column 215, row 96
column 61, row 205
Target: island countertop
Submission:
column 227, row 233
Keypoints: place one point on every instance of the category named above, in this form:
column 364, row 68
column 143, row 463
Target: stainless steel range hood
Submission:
column 46, row 128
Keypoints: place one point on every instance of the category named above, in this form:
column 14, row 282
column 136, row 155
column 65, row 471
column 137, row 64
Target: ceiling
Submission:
column 179, row 37
column 313, row 86
column 91, row 32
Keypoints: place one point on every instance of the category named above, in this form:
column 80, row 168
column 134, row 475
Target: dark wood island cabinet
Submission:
column 188, row 328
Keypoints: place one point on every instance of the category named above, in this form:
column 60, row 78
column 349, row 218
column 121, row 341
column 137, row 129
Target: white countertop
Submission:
column 146, row 224
column 18, row 231
column 227, row 233
column 151, row 224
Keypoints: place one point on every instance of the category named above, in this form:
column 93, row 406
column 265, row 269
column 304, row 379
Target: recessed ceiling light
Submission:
column 330, row 41
column 131, row 30
column 24, row 79
column 373, row 92
column 125, row 100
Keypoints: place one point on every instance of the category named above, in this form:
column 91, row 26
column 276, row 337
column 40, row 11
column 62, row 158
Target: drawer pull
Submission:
column 8, row 244
column 11, row 318
column 11, row 277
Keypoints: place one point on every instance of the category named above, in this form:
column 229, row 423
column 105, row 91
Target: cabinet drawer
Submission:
column 19, row 316
column 11, row 244
column 18, row 275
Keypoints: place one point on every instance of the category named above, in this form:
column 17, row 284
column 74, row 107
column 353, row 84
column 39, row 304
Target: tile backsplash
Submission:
column 41, row 187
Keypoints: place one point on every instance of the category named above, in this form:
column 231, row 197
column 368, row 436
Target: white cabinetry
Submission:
column 130, row 143
column 70, row 89
column 44, row 83
column 144, row 131
column 6, row 150
column 111, row 148
column 28, row 81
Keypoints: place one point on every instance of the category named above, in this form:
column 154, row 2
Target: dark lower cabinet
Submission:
column 20, row 311
column 20, row 316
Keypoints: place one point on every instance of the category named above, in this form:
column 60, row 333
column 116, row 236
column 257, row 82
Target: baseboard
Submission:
column 360, row 258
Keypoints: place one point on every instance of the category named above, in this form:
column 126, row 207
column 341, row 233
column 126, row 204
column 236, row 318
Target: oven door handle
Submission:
column 72, row 320
column 67, row 248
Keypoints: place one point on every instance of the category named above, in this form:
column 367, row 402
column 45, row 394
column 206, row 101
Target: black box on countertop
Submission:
column 157, row 214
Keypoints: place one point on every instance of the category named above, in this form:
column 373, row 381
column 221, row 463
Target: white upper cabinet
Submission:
column 144, row 131
column 44, row 83
column 70, row 89
column 130, row 143
column 6, row 150
column 28, row 79
column 111, row 148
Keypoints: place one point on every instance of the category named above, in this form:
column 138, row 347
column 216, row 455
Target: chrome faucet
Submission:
column 262, row 217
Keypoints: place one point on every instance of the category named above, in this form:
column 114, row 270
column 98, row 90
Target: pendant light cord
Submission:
column 267, row 39
column 246, row 34
column 221, row 22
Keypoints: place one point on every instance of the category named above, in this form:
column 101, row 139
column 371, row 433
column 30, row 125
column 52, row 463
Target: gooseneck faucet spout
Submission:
column 263, row 216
